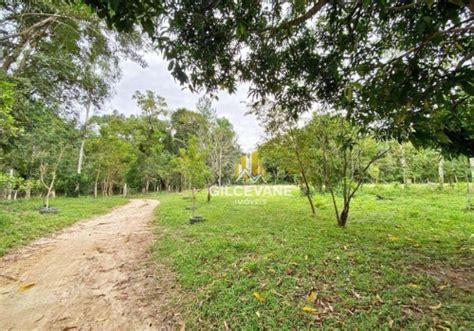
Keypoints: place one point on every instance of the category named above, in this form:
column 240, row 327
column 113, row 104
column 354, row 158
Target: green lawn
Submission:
column 20, row 221
column 404, row 262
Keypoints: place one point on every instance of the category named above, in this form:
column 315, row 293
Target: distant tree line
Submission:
column 158, row 149
column 59, row 64
column 330, row 154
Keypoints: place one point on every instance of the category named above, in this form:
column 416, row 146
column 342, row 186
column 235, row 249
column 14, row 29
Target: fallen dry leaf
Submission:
column 276, row 293
column 309, row 310
column 357, row 295
column 436, row 307
column 258, row 296
column 26, row 286
column 378, row 299
column 312, row 296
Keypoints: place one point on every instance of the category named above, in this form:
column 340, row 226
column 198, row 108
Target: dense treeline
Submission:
column 58, row 66
column 140, row 153
column 403, row 163
column 329, row 154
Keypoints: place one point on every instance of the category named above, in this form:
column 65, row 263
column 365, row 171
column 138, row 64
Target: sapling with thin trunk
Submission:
column 43, row 174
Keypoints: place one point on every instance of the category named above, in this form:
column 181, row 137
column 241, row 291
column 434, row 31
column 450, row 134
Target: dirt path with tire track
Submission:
column 94, row 275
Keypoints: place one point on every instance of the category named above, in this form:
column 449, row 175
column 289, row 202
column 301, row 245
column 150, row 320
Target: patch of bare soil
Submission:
column 462, row 277
column 94, row 275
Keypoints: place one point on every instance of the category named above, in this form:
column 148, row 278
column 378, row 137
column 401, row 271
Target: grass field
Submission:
column 20, row 221
column 403, row 262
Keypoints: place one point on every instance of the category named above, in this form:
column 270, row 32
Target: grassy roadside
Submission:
column 20, row 221
column 404, row 262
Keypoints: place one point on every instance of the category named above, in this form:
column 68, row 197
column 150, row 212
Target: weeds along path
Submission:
column 93, row 275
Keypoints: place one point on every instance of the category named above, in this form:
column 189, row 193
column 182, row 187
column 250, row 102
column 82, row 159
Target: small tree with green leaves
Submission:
column 346, row 157
column 193, row 166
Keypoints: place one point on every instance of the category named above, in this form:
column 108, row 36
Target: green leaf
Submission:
column 241, row 31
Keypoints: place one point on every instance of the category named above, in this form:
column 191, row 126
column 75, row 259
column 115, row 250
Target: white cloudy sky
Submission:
column 157, row 78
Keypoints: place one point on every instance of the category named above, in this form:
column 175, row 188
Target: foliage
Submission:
column 402, row 162
column 8, row 129
column 58, row 57
column 192, row 162
column 345, row 158
column 402, row 69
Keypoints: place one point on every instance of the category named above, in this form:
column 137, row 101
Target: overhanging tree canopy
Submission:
column 400, row 68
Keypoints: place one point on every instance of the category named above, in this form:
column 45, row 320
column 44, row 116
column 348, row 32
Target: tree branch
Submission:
column 37, row 25
column 301, row 19
column 375, row 158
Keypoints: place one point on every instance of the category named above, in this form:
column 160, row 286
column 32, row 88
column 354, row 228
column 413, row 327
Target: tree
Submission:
column 149, row 134
column 278, row 159
column 402, row 69
column 8, row 129
column 49, row 143
column 192, row 161
column 111, row 152
column 61, row 59
column 278, row 124
column 186, row 124
column 224, row 150
column 346, row 157
column 61, row 47
column 96, row 81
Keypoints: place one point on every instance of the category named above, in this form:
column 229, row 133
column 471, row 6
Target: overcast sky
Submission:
column 156, row 77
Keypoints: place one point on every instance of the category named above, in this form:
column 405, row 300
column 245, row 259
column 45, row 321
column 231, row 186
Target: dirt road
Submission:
column 93, row 275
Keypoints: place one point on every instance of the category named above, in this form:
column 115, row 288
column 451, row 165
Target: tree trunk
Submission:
column 111, row 188
column 95, row 189
column 96, row 182
column 105, row 186
column 27, row 193
column 303, row 175
column 194, row 200
column 83, row 142
column 125, row 189
column 26, row 36
column 342, row 220
column 441, row 171
column 50, row 191
column 46, row 201
column 79, row 166
column 468, row 183
column 219, row 178
column 147, row 186
column 8, row 193
column 209, row 194
column 404, row 164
